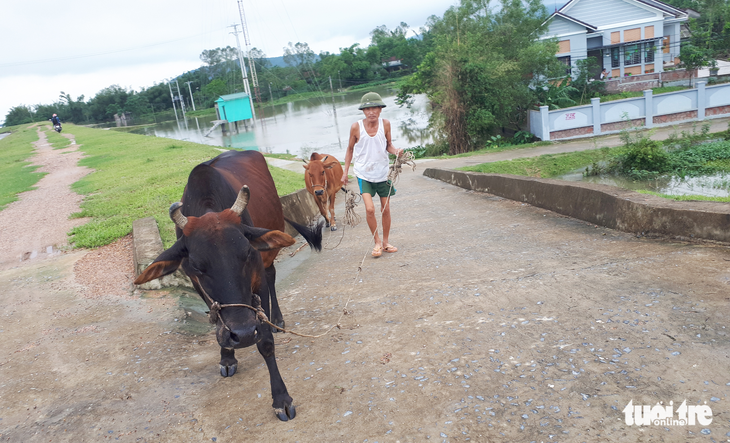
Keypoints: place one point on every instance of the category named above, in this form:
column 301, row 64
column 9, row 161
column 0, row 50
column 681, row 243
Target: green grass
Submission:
column 16, row 175
column 688, row 197
column 545, row 166
column 56, row 140
column 137, row 176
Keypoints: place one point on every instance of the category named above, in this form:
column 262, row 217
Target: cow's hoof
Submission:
column 333, row 228
column 287, row 413
column 327, row 224
column 228, row 371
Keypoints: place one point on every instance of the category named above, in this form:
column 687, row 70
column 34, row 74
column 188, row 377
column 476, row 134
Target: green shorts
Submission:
column 383, row 189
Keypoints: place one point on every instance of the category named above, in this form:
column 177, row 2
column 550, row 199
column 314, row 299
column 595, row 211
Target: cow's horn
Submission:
column 241, row 201
column 177, row 216
column 325, row 158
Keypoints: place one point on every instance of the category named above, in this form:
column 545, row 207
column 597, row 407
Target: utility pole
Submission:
column 182, row 102
column 172, row 97
column 271, row 96
column 334, row 111
column 243, row 70
column 247, row 41
column 191, row 95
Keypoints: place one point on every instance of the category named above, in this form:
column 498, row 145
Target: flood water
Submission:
column 716, row 185
column 304, row 126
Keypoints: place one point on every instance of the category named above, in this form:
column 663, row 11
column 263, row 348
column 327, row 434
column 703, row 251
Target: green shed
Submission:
column 234, row 107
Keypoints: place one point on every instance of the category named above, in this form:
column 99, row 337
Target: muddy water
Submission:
column 715, row 185
column 304, row 126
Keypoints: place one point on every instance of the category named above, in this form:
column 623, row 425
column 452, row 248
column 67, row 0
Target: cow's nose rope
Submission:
column 216, row 308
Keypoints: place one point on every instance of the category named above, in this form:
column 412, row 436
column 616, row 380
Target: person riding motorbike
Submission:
column 56, row 123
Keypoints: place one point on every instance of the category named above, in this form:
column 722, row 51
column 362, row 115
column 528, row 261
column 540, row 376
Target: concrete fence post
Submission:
column 648, row 108
column 701, row 100
column 545, row 120
column 596, row 103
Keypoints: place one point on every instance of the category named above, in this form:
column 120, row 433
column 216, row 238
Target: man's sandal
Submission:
column 377, row 251
column 390, row 248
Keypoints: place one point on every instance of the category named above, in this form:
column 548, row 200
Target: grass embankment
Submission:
column 692, row 154
column 544, row 166
column 137, row 176
column 16, row 175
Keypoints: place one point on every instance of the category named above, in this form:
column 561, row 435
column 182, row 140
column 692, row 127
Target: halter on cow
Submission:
column 227, row 242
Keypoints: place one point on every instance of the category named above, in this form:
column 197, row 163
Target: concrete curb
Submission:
column 147, row 247
column 603, row 205
column 299, row 207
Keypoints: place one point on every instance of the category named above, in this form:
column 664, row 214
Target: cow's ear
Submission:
column 165, row 264
column 329, row 166
column 306, row 166
column 264, row 240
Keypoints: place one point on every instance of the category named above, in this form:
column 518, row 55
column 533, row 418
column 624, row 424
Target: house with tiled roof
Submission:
column 627, row 37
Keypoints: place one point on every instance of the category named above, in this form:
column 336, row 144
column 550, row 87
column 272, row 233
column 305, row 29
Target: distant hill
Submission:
column 277, row 61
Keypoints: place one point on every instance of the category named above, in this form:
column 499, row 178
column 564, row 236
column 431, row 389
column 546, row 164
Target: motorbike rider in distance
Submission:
column 56, row 122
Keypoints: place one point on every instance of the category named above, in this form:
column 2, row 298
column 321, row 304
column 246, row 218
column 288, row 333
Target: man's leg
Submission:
column 385, row 207
column 367, row 199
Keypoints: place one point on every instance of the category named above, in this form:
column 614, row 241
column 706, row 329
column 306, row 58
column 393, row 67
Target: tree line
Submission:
column 481, row 64
column 305, row 71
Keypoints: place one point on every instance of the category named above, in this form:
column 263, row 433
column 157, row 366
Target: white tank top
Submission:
column 370, row 157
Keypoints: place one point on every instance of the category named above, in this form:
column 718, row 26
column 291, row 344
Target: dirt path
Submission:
column 495, row 321
column 35, row 226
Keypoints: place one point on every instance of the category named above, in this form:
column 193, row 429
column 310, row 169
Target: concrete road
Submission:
column 495, row 321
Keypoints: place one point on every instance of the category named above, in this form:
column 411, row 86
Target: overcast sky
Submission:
column 83, row 46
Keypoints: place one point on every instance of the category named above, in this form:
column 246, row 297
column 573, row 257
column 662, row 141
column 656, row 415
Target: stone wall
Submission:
column 571, row 132
column 677, row 117
column 617, row 126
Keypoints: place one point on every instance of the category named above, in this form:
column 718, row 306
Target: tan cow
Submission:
column 322, row 177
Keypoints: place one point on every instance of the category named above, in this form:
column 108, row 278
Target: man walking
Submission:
column 368, row 149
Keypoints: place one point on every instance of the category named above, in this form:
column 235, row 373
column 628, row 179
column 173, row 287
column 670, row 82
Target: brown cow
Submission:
column 227, row 248
column 322, row 179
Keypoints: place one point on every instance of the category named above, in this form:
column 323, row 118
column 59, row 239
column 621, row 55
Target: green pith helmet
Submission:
column 371, row 100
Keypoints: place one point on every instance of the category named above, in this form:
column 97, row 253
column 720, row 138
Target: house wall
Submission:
column 650, row 110
column 605, row 12
column 655, row 26
column 672, row 30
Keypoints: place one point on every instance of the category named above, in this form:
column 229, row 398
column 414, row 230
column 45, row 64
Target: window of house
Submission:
column 632, row 55
column 649, row 53
column 566, row 61
column 615, row 57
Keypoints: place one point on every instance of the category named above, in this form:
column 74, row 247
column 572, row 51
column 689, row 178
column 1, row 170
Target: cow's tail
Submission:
column 313, row 236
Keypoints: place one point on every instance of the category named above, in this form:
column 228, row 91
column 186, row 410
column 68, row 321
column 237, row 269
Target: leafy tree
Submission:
column 18, row 115
column 299, row 55
column 692, row 57
column 213, row 90
column 584, row 84
column 485, row 67
column 557, row 94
